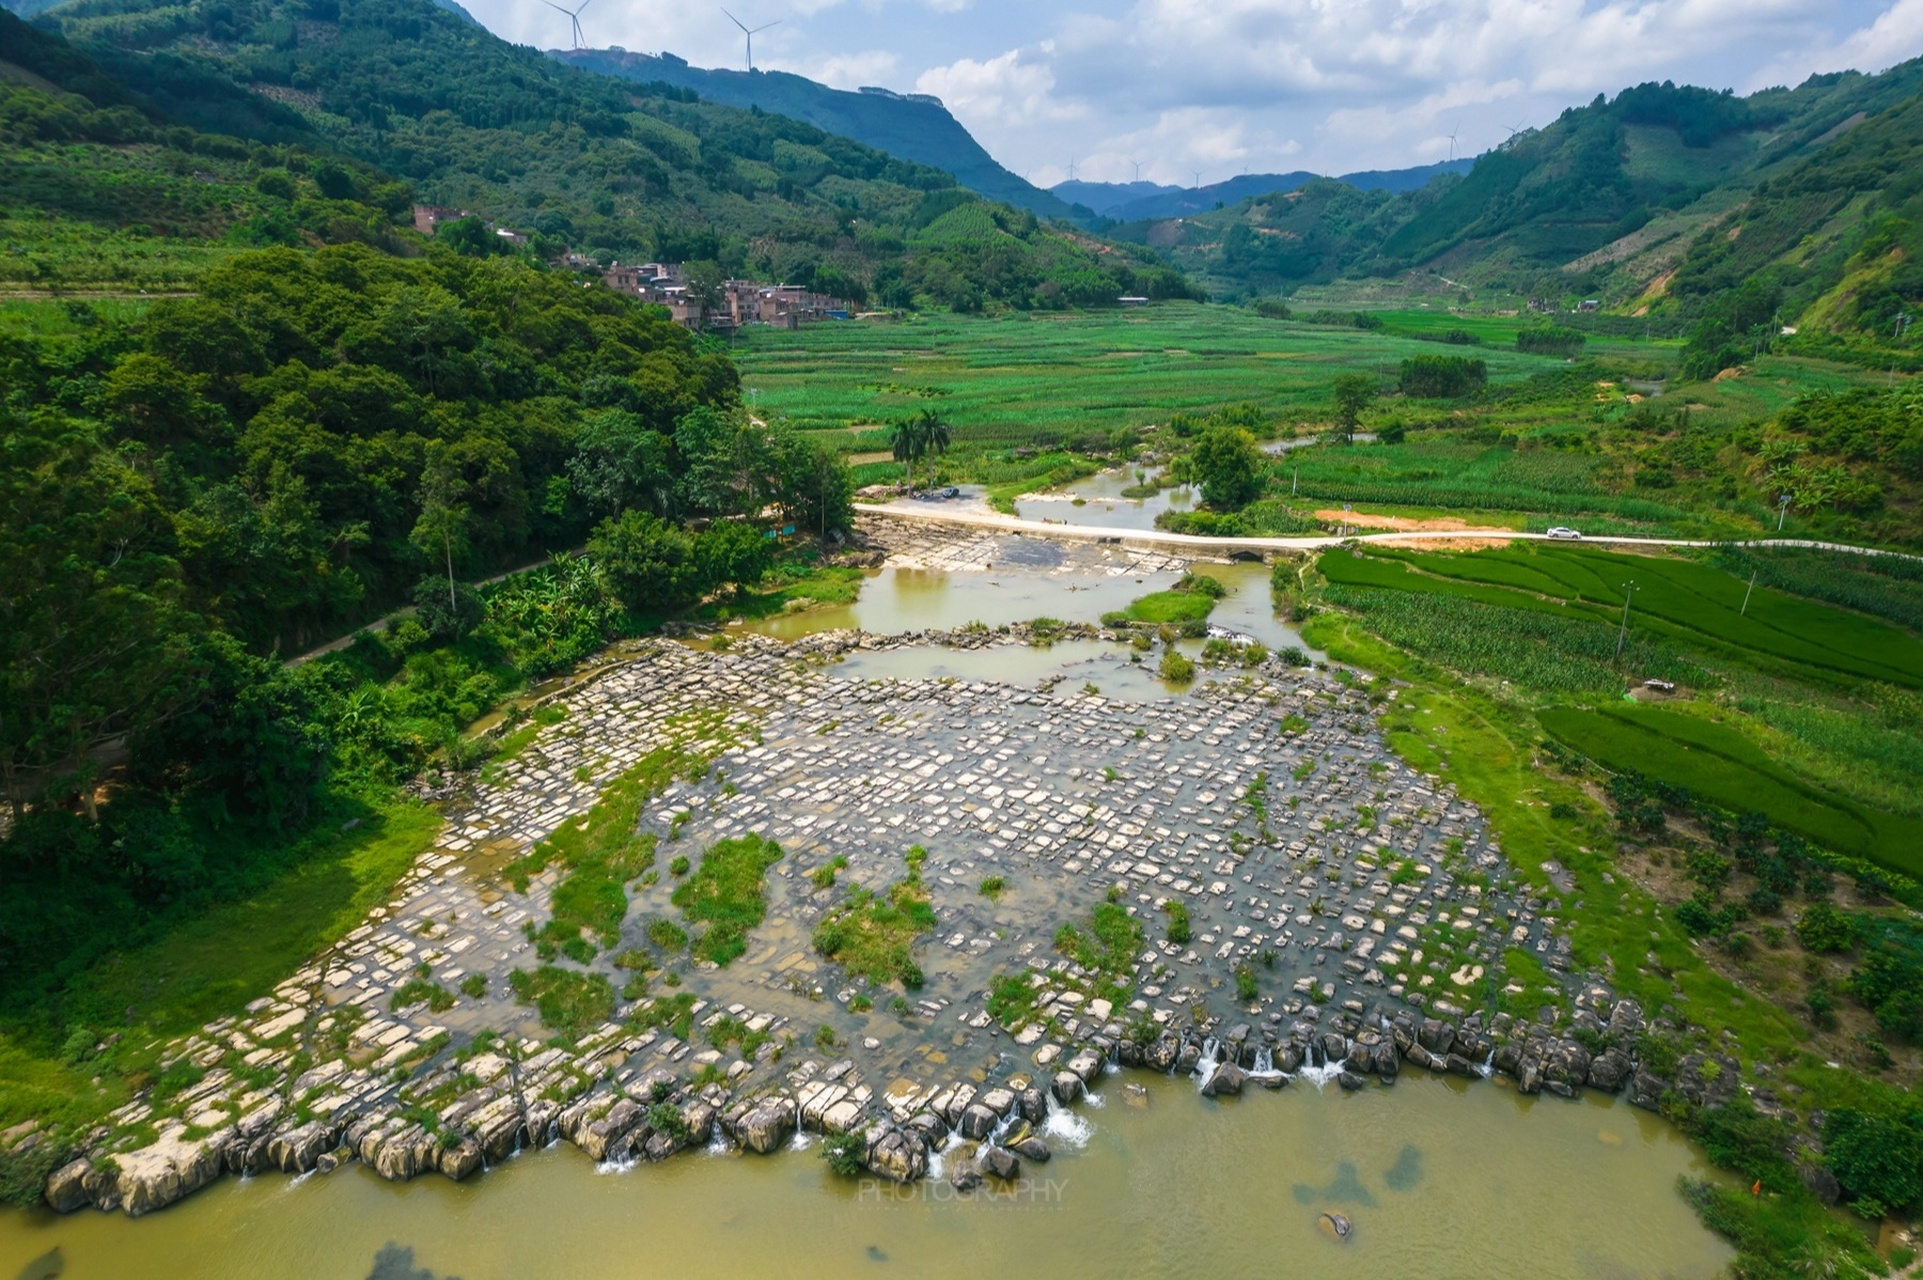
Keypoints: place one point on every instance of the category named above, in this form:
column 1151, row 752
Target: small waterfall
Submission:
column 1065, row 1127
column 938, row 1156
column 1320, row 1074
column 1488, row 1065
column 1265, row 1059
column 1205, row 1067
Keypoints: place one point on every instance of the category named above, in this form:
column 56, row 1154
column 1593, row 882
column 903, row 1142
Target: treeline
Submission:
column 1443, row 377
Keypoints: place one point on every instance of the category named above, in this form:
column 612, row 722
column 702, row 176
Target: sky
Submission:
column 1167, row 89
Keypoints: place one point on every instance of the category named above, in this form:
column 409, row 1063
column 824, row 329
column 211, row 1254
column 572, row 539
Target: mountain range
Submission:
column 1133, row 201
column 913, row 127
column 432, row 107
column 1663, row 198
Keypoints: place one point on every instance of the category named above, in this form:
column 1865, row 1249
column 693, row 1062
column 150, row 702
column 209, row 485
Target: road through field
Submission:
column 1198, row 543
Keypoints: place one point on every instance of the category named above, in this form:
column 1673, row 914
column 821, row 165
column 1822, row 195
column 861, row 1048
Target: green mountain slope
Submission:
column 615, row 169
column 913, row 128
column 1605, row 201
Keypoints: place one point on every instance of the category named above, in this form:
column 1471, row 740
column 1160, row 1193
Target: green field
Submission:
column 1692, row 605
column 1029, row 379
column 1726, row 768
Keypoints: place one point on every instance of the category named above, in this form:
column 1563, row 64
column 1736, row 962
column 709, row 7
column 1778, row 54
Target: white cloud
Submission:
column 1330, row 85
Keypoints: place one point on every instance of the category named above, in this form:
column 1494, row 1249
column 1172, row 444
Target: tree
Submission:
column 95, row 638
column 723, row 456
column 1228, row 466
column 934, row 433
column 1878, row 1159
column 442, row 529
column 620, row 462
column 650, row 565
column 904, row 439
column 1352, row 392
column 913, row 438
column 732, row 553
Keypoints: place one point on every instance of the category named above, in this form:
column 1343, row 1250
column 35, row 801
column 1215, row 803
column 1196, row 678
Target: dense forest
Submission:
column 313, row 439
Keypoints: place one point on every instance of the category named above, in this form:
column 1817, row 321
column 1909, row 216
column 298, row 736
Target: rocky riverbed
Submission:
column 1348, row 919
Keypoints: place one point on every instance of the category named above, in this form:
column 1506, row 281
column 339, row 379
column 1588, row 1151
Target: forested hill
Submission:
column 607, row 167
column 911, row 128
column 1604, row 201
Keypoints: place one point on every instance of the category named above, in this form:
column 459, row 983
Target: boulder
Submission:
column 930, row 1126
column 1646, row 1090
column 962, row 1173
column 1349, row 1080
column 1034, row 1105
column 1087, row 1064
column 1609, row 1069
column 1031, row 1148
column 295, row 1150
column 459, row 1160
column 896, row 1154
column 1437, row 1036
column 999, row 1162
column 766, row 1126
column 172, row 1167
column 1226, row 1081
column 978, row 1122
column 1268, row 1079
column 1162, row 1055
column 67, row 1187
column 1067, row 1087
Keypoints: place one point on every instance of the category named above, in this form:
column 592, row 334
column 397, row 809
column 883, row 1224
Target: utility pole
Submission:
column 1622, row 634
column 1744, row 611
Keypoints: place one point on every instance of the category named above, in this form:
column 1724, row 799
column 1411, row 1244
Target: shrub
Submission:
column 1824, row 929
column 844, row 1153
column 1875, row 1157
column 1178, row 922
column 1442, row 377
column 992, row 887
column 1245, row 986
column 1175, row 667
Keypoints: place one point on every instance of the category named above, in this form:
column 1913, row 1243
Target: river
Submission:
column 1440, row 1178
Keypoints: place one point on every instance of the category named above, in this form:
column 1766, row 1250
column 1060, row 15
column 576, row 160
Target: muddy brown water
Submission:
column 1438, row 1178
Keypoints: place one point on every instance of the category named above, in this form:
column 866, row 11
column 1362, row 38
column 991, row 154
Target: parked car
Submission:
column 1661, row 686
column 1563, row 531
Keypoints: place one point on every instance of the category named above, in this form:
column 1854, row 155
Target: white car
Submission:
column 1564, row 532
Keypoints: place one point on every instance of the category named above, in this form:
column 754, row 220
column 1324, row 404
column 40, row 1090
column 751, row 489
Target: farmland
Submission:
column 1719, row 764
column 1035, row 399
column 1694, row 605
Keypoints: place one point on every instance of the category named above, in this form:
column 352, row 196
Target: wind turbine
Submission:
column 1198, row 178
column 1138, row 168
column 1453, row 131
column 1071, row 168
column 751, row 34
column 574, row 19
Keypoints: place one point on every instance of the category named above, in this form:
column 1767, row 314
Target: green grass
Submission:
column 568, row 1002
column 601, row 850
column 1486, row 749
column 727, row 892
column 1721, row 765
column 873, row 935
column 1170, row 606
column 217, row 962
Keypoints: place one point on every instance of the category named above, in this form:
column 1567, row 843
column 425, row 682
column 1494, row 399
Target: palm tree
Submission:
column 934, row 433
column 907, row 441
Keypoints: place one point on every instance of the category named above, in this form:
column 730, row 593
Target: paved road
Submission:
column 935, row 513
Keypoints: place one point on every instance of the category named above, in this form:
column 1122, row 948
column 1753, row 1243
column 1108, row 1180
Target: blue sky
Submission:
column 1231, row 86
